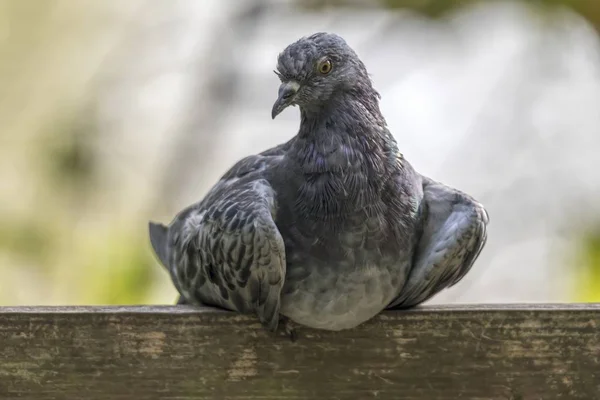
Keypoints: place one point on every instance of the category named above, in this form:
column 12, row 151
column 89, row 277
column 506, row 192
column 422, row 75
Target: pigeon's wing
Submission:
column 227, row 251
column 454, row 233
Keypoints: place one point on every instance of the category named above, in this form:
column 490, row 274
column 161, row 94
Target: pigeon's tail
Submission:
column 158, row 238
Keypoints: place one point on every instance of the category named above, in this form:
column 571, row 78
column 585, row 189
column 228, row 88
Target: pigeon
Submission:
column 330, row 228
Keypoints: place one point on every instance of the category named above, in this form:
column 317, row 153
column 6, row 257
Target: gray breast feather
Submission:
column 454, row 233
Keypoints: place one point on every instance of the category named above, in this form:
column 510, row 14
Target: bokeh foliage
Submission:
column 589, row 9
column 587, row 276
column 62, row 239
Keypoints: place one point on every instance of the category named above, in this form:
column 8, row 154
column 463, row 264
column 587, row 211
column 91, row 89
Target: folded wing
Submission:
column 454, row 233
column 228, row 252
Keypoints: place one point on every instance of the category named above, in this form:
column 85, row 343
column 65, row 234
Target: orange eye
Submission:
column 325, row 67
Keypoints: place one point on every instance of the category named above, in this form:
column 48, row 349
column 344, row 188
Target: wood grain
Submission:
column 462, row 352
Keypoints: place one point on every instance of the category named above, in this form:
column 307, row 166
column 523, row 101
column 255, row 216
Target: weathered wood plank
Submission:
column 461, row 352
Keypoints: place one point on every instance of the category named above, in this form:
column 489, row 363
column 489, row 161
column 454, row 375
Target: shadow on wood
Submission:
column 467, row 352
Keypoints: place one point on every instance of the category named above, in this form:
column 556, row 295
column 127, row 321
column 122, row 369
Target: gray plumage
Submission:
column 331, row 227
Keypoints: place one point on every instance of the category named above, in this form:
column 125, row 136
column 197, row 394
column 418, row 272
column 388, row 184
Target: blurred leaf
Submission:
column 589, row 9
column 68, row 150
column 29, row 239
column 588, row 277
column 117, row 269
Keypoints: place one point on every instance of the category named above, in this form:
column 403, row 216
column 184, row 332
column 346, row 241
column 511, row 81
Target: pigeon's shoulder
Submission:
column 248, row 180
column 256, row 165
column 407, row 184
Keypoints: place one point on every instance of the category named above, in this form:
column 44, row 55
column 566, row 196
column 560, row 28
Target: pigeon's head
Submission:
column 314, row 69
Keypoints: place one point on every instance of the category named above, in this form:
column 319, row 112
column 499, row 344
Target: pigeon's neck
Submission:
column 349, row 133
column 345, row 156
column 351, row 113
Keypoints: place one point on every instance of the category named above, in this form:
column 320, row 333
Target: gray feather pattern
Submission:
column 230, row 253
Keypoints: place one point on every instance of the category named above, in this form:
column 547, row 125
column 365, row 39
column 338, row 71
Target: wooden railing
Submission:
column 453, row 352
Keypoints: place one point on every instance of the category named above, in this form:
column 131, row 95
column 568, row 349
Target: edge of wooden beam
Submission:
column 184, row 309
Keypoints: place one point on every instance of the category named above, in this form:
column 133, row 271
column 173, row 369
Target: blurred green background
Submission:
column 73, row 215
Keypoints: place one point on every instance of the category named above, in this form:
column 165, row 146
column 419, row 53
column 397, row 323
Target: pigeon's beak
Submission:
column 287, row 91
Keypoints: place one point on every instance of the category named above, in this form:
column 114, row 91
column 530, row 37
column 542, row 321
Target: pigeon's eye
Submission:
column 325, row 67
